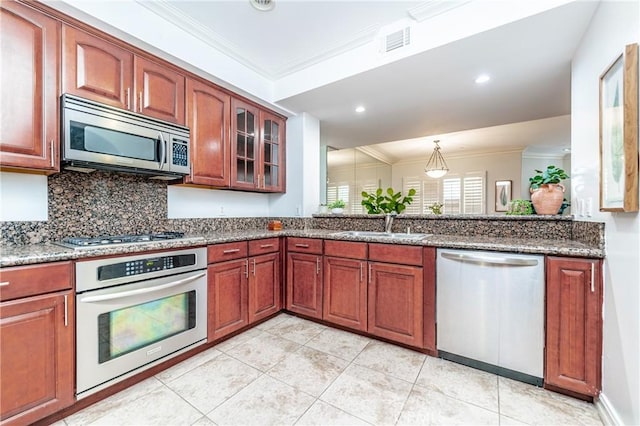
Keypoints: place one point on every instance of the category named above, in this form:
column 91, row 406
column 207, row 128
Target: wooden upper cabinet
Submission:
column 208, row 112
column 244, row 145
column 159, row 91
column 96, row 69
column 272, row 153
column 29, row 135
column 574, row 325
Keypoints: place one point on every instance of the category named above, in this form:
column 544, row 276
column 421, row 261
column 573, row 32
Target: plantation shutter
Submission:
column 431, row 194
column 474, row 193
column 338, row 191
column 408, row 183
column 451, row 195
column 368, row 186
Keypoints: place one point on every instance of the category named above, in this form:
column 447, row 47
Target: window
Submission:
column 464, row 194
column 338, row 191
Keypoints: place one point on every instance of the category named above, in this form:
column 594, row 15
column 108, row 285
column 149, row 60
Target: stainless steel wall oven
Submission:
column 135, row 311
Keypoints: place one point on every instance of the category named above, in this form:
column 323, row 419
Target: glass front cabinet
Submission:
column 257, row 156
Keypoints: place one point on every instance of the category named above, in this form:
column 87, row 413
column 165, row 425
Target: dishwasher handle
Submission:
column 489, row 260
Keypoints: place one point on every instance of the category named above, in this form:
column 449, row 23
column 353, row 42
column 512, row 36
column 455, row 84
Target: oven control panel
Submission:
column 144, row 266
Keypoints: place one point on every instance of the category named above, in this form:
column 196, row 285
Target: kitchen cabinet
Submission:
column 30, row 44
column 304, row 276
column 345, row 284
column 36, row 341
column 97, row 69
column 257, row 148
column 395, row 297
column 208, row 110
column 265, row 290
column 244, row 288
column 574, row 325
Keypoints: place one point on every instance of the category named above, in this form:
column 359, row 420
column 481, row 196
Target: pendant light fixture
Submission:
column 436, row 166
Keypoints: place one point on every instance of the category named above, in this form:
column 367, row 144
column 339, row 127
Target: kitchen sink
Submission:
column 376, row 234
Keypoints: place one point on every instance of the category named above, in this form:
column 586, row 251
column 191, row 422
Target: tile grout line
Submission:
column 413, row 385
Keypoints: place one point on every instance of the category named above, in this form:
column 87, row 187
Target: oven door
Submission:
column 123, row 329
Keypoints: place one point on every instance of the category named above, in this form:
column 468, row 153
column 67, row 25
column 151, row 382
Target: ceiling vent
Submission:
column 397, row 39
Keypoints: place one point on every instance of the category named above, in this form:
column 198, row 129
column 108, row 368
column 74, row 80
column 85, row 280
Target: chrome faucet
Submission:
column 388, row 222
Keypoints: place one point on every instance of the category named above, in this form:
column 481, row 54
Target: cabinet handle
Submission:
column 369, row 276
column 246, row 268
column 266, row 245
column 318, row 265
column 258, row 184
column 66, row 311
column 593, row 276
column 4, row 283
column 254, row 267
column 302, row 245
column 53, row 154
column 229, row 251
column 128, row 98
column 360, row 271
column 140, row 102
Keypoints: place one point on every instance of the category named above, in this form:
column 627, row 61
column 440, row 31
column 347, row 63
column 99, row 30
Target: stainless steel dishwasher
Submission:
column 490, row 312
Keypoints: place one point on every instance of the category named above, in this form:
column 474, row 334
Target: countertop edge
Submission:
column 15, row 255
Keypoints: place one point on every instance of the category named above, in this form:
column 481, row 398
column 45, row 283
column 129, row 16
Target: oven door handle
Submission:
column 136, row 292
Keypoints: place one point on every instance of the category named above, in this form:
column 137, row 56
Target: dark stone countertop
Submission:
column 13, row 255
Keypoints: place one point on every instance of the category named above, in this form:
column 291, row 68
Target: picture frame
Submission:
column 503, row 195
column 619, row 133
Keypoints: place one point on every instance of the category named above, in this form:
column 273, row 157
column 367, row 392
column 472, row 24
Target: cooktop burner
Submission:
column 110, row 240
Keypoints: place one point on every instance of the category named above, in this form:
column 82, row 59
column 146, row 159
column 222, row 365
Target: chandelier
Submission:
column 436, row 166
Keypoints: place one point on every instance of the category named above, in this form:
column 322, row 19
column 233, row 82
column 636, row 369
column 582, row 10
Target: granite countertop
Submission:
column 13, row 255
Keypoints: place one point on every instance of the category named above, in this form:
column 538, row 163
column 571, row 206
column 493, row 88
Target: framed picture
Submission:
column 503, row 195
column 619, row 133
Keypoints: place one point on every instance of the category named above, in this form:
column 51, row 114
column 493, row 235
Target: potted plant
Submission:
column 520, row 207
column 337, row 206
column 390, row 202
column 546, row 190
column 436, row 208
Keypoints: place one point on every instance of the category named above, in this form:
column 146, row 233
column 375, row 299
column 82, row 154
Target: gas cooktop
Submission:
column 117, row 240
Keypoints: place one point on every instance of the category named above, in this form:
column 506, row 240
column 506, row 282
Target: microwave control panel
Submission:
column 180, row 152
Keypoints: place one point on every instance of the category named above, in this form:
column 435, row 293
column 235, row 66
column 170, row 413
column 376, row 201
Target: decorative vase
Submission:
column 547, row 199
column 337, row 210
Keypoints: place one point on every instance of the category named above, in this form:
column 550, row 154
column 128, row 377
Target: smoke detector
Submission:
column 263, row 5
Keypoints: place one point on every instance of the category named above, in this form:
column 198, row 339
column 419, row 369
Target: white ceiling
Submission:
column 430, row 94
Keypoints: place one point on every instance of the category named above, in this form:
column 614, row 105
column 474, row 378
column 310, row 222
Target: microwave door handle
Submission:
column 163, row 155
column 123, row 294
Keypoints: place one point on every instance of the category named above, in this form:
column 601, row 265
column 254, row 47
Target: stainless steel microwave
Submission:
column 97, row 136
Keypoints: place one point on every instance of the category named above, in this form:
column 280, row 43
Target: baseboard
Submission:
column 606, row 411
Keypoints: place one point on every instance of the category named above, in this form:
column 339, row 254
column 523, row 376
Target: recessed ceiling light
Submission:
column 263, row 5
column 482, row 78
column 360, row 109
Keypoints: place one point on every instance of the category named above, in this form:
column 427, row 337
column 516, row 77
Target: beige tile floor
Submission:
column 291, row 371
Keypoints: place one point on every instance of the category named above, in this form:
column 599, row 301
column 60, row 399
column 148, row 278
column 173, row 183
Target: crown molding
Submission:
column 432, row 8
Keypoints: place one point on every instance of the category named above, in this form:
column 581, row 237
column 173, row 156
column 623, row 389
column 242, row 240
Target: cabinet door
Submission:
column 264, row 286
column 159, row 91
column 29, row 42
column 227, row 298
column 244, row 145
column 304, row 284
column 395, row 298
column 271, row 175
column 345, row 292
column 96, row 69
column 208, row 112
column 574, row 325
column 36, row 357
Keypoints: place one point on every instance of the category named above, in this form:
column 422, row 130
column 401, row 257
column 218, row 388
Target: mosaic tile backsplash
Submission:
column 103, row 203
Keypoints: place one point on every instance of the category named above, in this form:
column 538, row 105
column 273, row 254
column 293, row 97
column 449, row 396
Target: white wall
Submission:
column 190, row 202
column 23, row 197
column 303, row 168
column 615, row 24
column 499, row 166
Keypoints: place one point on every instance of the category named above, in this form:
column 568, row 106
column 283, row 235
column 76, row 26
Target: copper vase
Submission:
column 548, row 198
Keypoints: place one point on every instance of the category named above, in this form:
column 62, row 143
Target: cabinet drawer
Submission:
column 227, row 251
column 267, row 245
column 402, row 254
column 347, row 249
column 23, row 281
column 304, row 245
